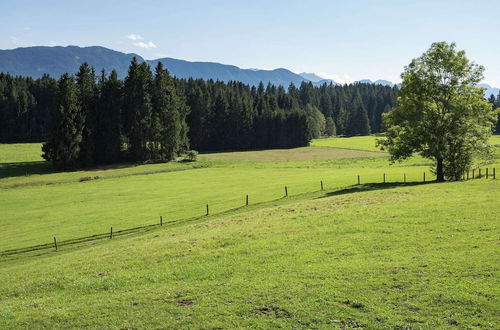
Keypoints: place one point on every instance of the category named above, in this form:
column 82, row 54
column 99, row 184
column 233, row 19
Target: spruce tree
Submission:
column 330, row 129
column 166, row 118
column 108, row 137
column 86, row 83
column 137, row 110
column 63, row 147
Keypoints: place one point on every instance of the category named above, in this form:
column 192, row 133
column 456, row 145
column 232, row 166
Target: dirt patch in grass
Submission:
column 185, row 302
column 289, row 155
column 273, row 311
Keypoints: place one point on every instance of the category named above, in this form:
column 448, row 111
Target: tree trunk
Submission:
column 439, row 170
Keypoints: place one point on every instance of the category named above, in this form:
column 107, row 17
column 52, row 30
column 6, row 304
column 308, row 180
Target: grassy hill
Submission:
column 376, row 255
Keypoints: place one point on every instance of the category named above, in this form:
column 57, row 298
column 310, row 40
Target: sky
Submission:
column 340, row 40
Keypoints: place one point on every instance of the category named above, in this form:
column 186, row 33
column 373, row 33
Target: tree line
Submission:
column 91, row 118
column 495, row 101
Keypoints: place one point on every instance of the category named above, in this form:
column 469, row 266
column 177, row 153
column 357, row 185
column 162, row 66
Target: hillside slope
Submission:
column 407, row 257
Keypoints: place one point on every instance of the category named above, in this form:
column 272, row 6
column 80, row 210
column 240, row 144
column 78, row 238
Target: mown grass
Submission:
column 34, row 214
column 290, row 155
column 355, row 142
column 69, row 205
column 416, row 256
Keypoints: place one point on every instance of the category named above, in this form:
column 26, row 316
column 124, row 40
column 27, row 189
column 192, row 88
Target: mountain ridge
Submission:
column 35, row 61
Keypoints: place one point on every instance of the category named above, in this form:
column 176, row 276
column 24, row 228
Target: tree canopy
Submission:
column 440, row 113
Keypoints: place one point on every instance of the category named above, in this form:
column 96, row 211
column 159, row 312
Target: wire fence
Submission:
column 55, row 244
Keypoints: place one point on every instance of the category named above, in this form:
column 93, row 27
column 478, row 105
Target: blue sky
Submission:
column 343, row 40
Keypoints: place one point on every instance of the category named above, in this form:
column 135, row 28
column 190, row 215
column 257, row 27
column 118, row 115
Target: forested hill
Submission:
column 36, row 61
column 89, row 118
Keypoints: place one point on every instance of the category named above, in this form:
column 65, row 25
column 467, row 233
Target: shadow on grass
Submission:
column 372, row 187
column 25, row 168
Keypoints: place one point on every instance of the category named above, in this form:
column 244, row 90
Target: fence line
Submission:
column 57, row 244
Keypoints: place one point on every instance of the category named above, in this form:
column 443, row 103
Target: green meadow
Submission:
column 376, row 255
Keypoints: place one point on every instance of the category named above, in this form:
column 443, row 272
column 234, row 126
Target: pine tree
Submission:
column 497, row 105
column 330, row 129
column 137, row 110
column 86, row 83
column 166, row 118
column 63, row 147
column 358, row 123
column 108, row 137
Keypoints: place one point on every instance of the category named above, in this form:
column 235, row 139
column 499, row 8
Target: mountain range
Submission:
column 38, row 60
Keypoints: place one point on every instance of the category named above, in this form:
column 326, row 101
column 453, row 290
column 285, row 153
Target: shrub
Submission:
column 192, row 155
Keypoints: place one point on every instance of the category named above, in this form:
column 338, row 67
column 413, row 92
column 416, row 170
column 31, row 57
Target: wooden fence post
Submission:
column 321, row 185
column 161, row 220
column 424, row 176
column 55, row 243
column 384, row 177
column 286, row 191
column 207, row 210
column 404, row 180
column 359, row 181
column 111, row 232
column 247, row 200
column 494, row 173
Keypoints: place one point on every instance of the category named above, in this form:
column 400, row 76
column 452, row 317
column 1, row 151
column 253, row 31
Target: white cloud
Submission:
column 146, row 45
column 133, row 36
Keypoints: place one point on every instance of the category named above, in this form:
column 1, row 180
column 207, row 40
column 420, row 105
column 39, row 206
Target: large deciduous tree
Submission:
column 440, row 113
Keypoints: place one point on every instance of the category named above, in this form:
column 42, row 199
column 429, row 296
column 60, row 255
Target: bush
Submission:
column 85, row 178
column 192, row 155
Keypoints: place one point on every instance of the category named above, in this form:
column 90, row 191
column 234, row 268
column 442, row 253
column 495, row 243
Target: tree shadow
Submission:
column 24, row 168
column 372, row 187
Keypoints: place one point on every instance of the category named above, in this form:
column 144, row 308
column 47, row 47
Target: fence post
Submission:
column 55, row 243
column 321, row 185
column 384, row 177
column 424, row 176
column 161, row 220
column 207, row 210
column 247, row 200
column 286, row 191
column 404, row 180
column 359, row 181
column 494, row 173
column 111, row 232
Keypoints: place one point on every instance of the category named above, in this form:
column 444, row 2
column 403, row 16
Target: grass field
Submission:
column 378, row 255
column 409, row 257
column 356, row 142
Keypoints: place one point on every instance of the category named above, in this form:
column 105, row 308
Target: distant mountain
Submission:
column 317, row 80
column 363, row 81
column 36, row 61
column 311, row 77
column 376, row 82
column 489, row 90
column 383, row 83
column 223, row 72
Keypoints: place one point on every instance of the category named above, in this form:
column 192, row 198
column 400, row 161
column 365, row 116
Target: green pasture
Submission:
column 389, row 257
